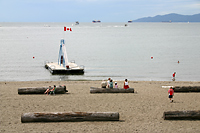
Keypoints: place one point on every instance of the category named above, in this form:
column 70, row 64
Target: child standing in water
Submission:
column 173, row 76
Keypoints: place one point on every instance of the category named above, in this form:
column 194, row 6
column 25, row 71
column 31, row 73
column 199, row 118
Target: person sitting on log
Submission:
column 48, row 90
column 103, row 84
column 116, row 86
column 108, row 82
column 111, row 84
column 126, row 86
column 53, row 90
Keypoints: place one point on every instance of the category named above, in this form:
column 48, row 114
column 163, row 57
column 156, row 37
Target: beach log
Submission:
column 41, row 90
column 109, row 90
column 182, row 115
column 69, row 117
column 186, row 89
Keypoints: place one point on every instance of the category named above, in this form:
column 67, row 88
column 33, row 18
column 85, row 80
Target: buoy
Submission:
column 33, row 57
column 151, row 57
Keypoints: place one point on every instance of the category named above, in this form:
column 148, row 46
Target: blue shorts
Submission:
column 170, row 96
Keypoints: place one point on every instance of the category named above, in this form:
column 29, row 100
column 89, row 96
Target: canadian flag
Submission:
column 65, row 29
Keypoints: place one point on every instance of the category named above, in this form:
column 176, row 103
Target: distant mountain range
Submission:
column 173, row 17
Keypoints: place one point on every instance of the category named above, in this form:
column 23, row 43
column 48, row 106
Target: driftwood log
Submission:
column 186, row 88
column 69, row 117
column 182, row 115
column 109, row 90
column 41, row 90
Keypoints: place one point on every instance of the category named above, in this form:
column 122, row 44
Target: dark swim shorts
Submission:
column 170, row 96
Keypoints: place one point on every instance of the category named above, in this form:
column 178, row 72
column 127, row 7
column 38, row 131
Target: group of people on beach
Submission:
column 126, row 86
column 110, row 84
column 49, row 90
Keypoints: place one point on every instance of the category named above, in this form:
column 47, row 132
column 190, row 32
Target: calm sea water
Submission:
column 105, row 49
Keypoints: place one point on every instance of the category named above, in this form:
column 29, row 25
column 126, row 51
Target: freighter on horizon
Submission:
column 96, row 21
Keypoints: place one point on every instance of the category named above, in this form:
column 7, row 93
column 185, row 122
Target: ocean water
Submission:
column 105, row 49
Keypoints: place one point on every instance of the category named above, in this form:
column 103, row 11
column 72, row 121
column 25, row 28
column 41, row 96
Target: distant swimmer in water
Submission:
column 173, row 76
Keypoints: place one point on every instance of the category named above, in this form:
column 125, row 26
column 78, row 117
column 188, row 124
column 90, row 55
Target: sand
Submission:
column 139, row 112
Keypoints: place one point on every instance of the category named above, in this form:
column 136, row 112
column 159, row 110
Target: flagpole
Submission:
column 65, row 29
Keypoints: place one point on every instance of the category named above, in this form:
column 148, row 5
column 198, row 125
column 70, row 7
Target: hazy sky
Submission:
column 87, row 10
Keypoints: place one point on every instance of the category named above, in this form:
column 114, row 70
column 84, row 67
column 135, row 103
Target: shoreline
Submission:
column 98, row 80
column 139, row 112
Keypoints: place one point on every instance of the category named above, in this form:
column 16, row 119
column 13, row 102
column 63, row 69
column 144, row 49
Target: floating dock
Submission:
column 63, row 66
column 73, row 68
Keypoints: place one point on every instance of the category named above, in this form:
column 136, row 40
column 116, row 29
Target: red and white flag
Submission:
column 69, row 29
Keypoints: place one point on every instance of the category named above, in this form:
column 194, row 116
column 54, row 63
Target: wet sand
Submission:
column 139, row 112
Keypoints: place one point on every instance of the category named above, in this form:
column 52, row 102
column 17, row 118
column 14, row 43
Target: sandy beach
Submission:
column 141, row 111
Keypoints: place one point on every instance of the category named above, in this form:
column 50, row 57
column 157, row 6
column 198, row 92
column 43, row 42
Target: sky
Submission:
column 88, row 10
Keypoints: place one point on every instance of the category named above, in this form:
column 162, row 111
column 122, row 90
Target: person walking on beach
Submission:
column 173, row 76
column 171, row 93
column 126, row 86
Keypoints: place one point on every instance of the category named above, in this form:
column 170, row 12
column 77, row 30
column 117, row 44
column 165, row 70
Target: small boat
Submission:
column 130, row 21
column 96, row 21
column 77, row 23
column 63, row 66
column 167, row 21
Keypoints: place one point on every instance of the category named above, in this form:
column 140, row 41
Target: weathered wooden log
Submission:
column 186, row 89
column 41, row 90
column 69, row 117
column 109, row 90
column 182, row 115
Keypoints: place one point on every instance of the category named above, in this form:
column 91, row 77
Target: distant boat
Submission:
column 130, row 21
column 45, row 25
column 96, row 21
column 77, row 23
column 167, row 21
